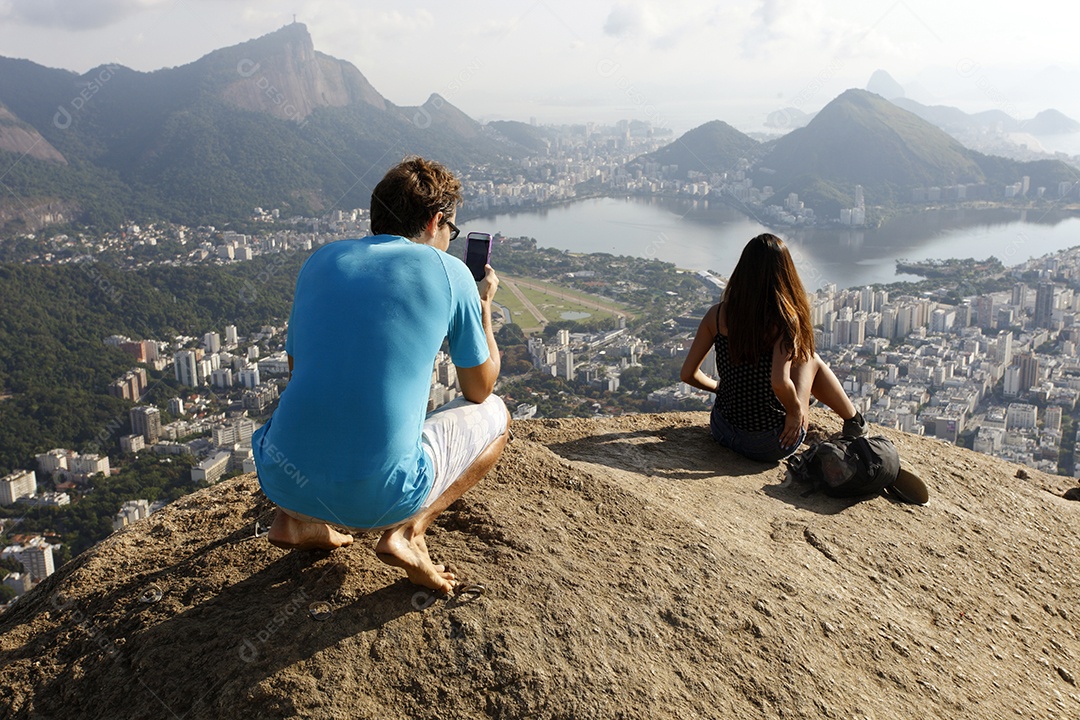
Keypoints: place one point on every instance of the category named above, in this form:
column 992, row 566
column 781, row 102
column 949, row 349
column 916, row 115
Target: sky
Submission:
column 675, row 63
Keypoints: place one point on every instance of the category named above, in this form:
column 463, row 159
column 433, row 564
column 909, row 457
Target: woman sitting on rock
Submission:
column 764, row 342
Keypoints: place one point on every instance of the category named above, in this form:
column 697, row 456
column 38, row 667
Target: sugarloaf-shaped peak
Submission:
column 282, row 74
column 883, row 84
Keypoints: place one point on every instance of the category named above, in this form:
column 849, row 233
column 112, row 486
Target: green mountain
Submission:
column 861, row 138
column 714, row 147
column 54, row 368
column 270, row 122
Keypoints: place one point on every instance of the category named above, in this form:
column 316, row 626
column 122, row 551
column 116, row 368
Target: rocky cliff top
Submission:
column 282, row 74
column 632, row 569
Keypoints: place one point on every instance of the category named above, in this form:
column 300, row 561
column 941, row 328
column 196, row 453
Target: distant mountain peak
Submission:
column 861, row 138
column 282, row 74
column 267, row 122
column 1050, row 122
column 715, row 147
column 437, row 109
column 865, row 98
column 883, row 84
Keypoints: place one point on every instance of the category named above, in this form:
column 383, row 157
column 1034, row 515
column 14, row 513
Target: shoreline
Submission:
column 891, row 213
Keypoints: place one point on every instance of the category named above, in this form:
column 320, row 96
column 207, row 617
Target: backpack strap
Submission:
column 799, row 466
column 866, row 457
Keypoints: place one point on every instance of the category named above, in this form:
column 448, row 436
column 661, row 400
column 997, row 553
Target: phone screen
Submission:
column 477, row 254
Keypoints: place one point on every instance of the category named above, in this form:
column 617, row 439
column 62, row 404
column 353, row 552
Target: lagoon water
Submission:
column 703, row 235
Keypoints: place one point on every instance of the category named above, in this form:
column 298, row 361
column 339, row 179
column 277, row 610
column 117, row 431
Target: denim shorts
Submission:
column 761, row 445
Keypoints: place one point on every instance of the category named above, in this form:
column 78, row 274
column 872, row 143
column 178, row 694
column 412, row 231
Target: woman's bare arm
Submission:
column 783, row 386
column 691, row 373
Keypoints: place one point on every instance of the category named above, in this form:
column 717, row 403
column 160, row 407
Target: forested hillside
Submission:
column 54, row 367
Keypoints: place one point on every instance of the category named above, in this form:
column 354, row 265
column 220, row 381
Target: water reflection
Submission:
column 709, row 235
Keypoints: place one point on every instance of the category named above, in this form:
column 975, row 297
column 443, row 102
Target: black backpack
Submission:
column 847, row 466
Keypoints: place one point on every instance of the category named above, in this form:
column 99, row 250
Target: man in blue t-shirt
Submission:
column 349, row 443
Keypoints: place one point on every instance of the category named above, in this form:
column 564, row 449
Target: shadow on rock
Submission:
column 674, row 453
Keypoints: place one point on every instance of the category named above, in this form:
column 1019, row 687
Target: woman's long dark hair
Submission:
column 764, row 302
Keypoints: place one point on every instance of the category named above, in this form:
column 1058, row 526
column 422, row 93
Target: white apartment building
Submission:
column 1021, row 416
column 17, row 485
column 132, row 443
column 186, row 367
column 211, row 469
column 53, row 461
column 237, row 432
column 249, row 377
column 36, row 556
column 212, row 341
column 88, row 465
column 131, row 511
column 221, row 378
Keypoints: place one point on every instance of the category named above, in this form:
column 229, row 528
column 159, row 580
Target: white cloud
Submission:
column 670, row 25
column 772, row 12
column 397, row 24
column 72, row 14
column 625, row 20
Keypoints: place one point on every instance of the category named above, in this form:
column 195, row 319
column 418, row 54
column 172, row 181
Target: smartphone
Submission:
column 478, row 253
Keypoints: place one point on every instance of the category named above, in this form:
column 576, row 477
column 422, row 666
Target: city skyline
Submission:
column 676, row 65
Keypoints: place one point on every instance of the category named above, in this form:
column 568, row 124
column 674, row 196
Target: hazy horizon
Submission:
column 677, row 64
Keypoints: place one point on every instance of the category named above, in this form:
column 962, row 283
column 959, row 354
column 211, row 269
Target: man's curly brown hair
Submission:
column 410, row 194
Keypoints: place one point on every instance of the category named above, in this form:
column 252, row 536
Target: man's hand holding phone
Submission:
column 477, row 257
column 488, row 285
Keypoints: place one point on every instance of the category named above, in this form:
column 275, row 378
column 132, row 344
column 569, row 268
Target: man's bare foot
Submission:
column 291, row 534
column 411, row 555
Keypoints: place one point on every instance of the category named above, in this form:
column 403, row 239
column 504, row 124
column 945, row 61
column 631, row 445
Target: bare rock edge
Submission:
column 633, row 569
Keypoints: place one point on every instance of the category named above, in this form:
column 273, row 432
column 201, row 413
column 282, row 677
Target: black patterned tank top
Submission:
column 745, row 396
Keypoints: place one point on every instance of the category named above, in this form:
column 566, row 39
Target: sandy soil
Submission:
column 633, row 569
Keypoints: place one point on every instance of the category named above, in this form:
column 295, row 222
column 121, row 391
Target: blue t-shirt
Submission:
column 368, row 318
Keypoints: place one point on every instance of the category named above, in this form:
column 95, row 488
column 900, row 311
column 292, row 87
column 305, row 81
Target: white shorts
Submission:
column 455, row 434
column 453, row 437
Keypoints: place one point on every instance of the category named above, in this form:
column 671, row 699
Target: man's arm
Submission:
column 478, row 382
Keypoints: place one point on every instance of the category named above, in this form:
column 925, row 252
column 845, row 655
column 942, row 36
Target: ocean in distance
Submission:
column 704, row 235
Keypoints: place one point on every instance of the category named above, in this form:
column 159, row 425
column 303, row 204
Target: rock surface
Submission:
column 283, row 75
column 22, row 140
column 633, row 569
